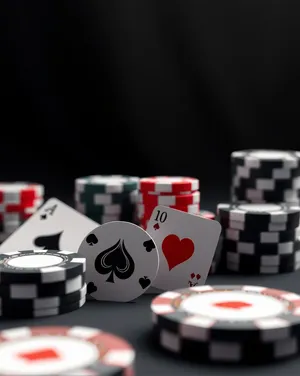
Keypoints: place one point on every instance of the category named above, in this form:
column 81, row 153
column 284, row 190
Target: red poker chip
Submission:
column 207, row 214
column 64, row 350
column 169, row 184
column 19, row 192
column 26, row 207
column 169, row 200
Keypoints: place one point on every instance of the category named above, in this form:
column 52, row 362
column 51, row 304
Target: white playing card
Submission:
column 186, row 245
column 54, row 226
column 122, row 261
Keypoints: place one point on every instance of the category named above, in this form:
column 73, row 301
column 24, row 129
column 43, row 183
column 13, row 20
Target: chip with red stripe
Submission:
column 169, row 184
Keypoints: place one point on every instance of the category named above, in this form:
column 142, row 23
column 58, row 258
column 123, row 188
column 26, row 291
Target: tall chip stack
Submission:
column 260, row 238
column 18, row 201
column 106, row 198
column 40, row 283
column 181, row 193
column 261, row 176
column 227, row 324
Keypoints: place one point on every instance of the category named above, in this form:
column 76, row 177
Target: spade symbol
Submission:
column 48, row 241
column 43, row 216
column 115, row 260
column 91, row 239
column 149, row 245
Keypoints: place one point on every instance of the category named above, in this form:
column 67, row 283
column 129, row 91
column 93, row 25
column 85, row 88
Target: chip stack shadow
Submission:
column 18, row 201
column 106, row 198
column 260, row 238
column 39, row 283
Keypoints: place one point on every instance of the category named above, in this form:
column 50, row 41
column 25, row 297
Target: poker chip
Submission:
column 106, row 198
column 5, row 311
column 262, row 249
column 40, row 266
column 180, row 200
column 228, row 313
column 169, row 184
column 42, row 303
column 254, row 269
column 33, row 291
column 261, row 215
column 226, row 352
column 122, row 257
column 145, row 211
column 64, row 350
column 18, row 201
column 262, row 176
column 262, row 237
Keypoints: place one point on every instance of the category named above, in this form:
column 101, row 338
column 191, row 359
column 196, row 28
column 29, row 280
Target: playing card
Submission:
column 186, row 245
column 122, row 261
column 54, row 226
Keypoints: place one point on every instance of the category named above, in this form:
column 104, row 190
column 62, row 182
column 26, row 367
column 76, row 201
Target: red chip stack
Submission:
column 181, row 193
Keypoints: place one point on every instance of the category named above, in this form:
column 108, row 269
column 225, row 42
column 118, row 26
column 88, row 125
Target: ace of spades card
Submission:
column 54, row 226
column 122, row 261
column 186, row 245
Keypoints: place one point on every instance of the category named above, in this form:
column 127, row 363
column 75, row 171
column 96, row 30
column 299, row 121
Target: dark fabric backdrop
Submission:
column 145, row 87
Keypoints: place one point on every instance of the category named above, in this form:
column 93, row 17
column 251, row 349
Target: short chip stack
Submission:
column 181, row 193
column 38, row 283
column 262, row 176
column 233, row 324
column 18, row 201
column 106, row 198
column 260, row 238
column 64, row 350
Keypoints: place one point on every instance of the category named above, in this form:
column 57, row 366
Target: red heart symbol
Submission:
column 177, row 251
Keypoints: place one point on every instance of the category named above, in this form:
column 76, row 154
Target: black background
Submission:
column 145, row 87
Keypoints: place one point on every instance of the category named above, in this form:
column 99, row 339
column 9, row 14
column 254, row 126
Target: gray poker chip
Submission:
column 260, row 215
column 231, row 313
column 224, row 352
column 40, row 266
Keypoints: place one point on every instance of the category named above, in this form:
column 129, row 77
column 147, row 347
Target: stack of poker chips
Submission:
column 227, row 324
column 18, row 201
column 181, row 193
column 64, row 350
column 39, row 283
column 261, row 176
column 106, row 198
column 260, row 238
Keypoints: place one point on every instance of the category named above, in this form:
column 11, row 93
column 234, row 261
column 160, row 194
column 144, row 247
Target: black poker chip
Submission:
column 261, row 237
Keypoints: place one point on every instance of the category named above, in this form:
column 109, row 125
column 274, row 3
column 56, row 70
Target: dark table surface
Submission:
column 132, row 321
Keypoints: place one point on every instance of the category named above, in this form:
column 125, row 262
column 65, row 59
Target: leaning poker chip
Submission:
column 43, row 303
column 93, row 352
column 228, row 313
column 169, row 200
column 33, row 291
column 261, row 248
column 40, row 266
column 261, row 237
column 226, row 352
column 272, row 172
column 260, row 215
column 170, row 184
column 106, row 184
column 5, row 311
column 257, row 158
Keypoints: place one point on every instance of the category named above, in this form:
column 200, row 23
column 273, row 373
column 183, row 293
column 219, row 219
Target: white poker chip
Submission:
column 122, row 261
column 228, row 313
column 40, row 266
column 62, row 350
column 170, row 184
